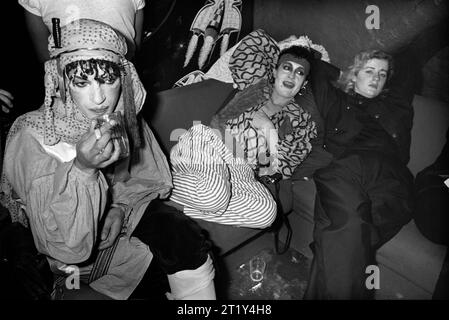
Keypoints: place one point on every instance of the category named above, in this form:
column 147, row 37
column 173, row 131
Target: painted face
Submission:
column 289, row 78
column 94, row 86
column 370, row 80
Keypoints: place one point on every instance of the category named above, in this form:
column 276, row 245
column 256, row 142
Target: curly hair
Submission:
column 83, row 68
column 346, row 82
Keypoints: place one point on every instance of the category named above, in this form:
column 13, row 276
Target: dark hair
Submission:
column 89, row 67
column 297, row 51
column 345, row 81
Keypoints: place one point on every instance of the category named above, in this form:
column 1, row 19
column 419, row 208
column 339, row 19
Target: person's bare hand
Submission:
column 6, row 100
column 93, row 153
column 112, row 226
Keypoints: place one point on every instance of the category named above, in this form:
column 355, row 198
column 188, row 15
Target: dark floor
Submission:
column 285, row 277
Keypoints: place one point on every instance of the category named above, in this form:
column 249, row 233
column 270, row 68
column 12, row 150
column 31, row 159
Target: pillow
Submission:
column 304, row 41
column 220, row 69
column 254, row 59
column 192, row 77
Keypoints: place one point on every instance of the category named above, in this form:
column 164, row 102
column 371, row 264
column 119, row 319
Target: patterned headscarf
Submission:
column 83, row 39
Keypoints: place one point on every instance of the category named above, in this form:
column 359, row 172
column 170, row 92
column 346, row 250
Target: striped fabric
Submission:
column 214, row 186
column 101, row 265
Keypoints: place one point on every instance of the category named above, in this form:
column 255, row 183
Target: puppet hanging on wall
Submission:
column 216, row 19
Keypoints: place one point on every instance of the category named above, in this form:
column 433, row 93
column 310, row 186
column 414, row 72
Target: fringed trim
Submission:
column 130, row 108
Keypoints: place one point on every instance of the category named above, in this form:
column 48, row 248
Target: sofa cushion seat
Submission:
column 414, row 257
column 304, row 193
column 409, row 254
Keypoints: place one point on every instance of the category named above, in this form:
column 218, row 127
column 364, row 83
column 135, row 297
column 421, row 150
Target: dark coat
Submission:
column 392, row 108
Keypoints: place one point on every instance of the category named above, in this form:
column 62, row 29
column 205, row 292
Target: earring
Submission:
column 302, row 90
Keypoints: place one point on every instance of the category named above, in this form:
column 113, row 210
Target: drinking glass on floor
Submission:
column 257, row 267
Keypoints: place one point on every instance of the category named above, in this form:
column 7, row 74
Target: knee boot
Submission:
column 194, row 284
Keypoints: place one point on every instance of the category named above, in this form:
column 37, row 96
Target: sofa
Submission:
column 409, row 264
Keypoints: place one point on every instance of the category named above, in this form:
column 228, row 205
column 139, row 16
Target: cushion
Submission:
column 176, row 110
column 318, row 157
column 409, row 253
column 304, row 41
column 430, row 124
column 220, row 69
column 414, row 257
column 254, row 62
column 225, row 237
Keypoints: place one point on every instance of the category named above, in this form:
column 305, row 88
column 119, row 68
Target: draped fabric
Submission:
column 214, row 186
column 58, row 119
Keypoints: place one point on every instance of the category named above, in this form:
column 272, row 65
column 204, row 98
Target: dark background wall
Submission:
column 21, row 73
column 164, row 51
column 340, row 27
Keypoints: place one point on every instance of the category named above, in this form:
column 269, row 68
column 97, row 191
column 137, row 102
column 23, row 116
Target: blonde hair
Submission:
column 346, row 82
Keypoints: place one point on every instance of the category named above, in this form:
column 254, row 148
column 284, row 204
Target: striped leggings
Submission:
column 214, row 186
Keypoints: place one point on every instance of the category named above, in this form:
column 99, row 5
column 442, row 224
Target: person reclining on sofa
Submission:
column 365, row 195
column 88, row 208
column 260, row 132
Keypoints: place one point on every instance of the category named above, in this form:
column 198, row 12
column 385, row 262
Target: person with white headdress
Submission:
column 91, row 206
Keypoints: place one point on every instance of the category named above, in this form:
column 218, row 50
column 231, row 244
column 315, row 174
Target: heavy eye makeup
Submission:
column 80, row 82
column 288, row 68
